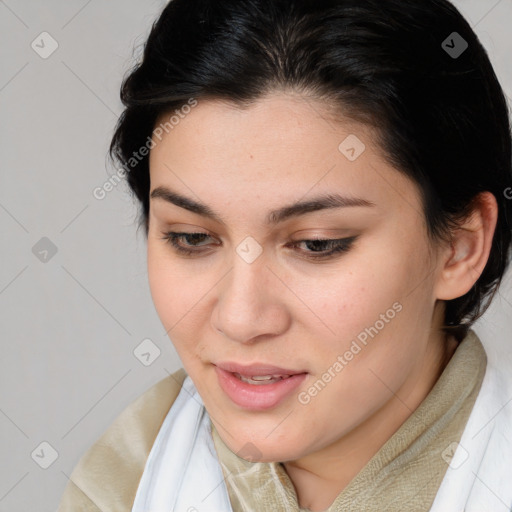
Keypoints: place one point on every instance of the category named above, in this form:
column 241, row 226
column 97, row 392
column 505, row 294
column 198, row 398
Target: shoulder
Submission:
column 107, row 476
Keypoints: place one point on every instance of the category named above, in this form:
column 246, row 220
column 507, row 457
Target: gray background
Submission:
column 71, row 320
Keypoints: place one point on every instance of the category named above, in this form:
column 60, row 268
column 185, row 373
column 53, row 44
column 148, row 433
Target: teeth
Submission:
column 264, row 377
column 261, row 379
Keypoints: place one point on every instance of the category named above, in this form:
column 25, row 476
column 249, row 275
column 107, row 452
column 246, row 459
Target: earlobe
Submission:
column 468, row 253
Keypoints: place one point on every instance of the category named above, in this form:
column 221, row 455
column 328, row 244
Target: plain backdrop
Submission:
column 74, row 300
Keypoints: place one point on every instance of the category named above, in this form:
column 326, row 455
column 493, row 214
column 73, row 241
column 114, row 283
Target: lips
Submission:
column 258, row 386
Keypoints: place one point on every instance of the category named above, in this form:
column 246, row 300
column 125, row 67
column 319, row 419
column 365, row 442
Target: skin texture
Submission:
column 294, row 312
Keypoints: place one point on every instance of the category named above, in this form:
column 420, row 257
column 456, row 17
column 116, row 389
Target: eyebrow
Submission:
column 323, row 202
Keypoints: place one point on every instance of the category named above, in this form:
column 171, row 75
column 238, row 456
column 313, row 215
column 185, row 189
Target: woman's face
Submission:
column 255, row 298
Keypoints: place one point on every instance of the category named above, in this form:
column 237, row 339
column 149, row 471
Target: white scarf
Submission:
column 183, row 474
column 479, row 477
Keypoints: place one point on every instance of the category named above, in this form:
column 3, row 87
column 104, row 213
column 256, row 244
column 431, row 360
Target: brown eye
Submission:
column 325, row 248
column 192, row 241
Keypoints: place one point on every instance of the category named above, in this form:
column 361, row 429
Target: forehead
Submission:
column 278, row 120
column 283, row 145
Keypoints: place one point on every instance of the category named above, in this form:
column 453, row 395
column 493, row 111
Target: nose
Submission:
column 250, row 304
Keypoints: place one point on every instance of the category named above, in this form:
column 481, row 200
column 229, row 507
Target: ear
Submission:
column 464, row 260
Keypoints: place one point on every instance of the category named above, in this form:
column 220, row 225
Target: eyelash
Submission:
column 341, row 245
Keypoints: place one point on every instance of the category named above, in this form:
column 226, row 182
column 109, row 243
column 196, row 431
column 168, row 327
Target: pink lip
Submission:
column 252, row 396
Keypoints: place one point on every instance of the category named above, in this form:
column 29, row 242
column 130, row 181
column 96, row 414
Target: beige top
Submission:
column 404, row 475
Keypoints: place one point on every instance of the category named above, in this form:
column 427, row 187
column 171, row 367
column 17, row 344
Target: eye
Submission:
column 193, row 239
column 316, row 249
column 325, row 248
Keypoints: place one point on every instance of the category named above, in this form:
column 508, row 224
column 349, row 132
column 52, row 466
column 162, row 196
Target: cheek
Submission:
column 378, row 298
column 344, row 302
column 179, row 295
column 174, row 293
column 162, row 284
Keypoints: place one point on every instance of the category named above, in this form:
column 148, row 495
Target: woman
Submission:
column 323, row 185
